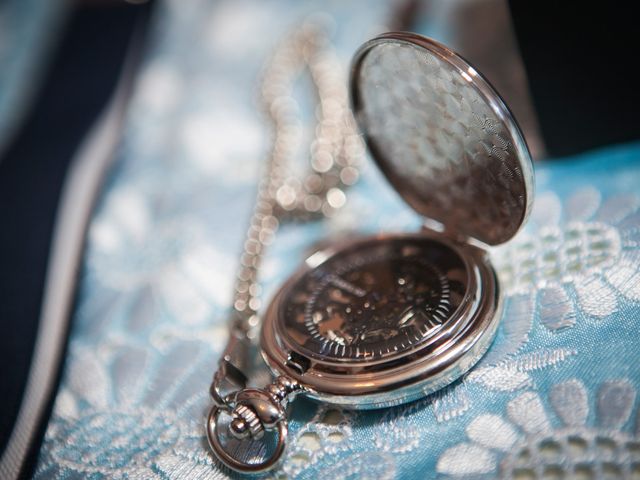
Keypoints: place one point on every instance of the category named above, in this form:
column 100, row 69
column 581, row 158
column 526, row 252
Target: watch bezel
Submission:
column 384, row 382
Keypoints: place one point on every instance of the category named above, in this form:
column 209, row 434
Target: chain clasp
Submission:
column 253, row 412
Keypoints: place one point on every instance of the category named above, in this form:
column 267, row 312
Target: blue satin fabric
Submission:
column 557, row 392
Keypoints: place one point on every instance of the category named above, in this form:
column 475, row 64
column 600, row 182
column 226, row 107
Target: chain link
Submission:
column 335, row 155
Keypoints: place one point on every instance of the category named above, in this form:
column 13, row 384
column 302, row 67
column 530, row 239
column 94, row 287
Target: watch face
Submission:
column 375, row 300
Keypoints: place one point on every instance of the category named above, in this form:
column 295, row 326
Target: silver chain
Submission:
column 335, row 154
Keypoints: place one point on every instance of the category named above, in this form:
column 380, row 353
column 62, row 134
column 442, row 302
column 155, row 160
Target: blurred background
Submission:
column 140, row 123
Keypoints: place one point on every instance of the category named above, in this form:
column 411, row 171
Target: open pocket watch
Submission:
column 388, row 319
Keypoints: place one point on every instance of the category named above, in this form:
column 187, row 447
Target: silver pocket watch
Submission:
column 389, row 319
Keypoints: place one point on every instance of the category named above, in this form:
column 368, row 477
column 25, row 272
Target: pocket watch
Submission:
column 388, row 319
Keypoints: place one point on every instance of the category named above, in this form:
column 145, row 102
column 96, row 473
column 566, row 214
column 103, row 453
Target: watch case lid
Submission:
column 442, row 136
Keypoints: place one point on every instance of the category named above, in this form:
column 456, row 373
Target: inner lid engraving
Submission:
column 442, row 136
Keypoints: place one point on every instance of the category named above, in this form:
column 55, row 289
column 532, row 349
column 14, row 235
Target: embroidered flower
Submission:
column 126, row 410
column 326, row 434
column 534, row 443
column 577, row 258
column 169, row 263
column 369, row 465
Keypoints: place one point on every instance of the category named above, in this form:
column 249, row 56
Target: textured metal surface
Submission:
column 442, row 136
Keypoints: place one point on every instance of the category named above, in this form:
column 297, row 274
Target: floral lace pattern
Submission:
column 525, row 444
column 556, row 392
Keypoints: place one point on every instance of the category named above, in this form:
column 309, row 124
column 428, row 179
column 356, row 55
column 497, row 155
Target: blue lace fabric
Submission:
column 556, row 394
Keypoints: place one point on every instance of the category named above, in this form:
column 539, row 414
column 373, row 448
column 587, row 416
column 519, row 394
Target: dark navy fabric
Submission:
column 83, row 73
column 580, row 60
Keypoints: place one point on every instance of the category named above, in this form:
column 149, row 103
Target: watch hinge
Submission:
column 433, row 227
